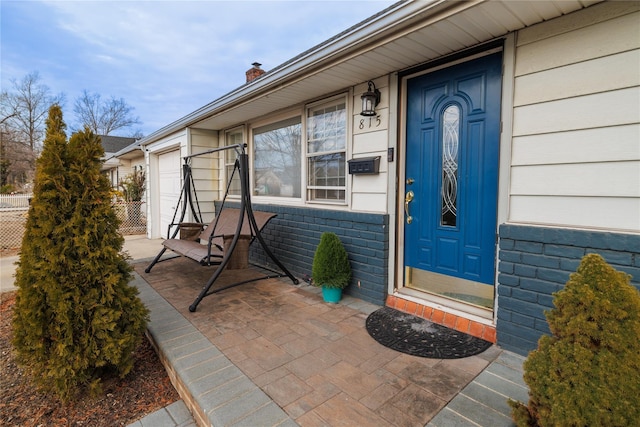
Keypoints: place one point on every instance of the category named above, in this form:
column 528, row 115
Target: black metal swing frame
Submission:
column 188, row 195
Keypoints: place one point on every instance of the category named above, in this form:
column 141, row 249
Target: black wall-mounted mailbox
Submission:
column 364, row 165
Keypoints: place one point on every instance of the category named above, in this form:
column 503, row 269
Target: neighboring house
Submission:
column 509, row 143
column 121, row 156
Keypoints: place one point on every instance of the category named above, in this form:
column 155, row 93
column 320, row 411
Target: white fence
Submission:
column 14, row 201
column 14, row 210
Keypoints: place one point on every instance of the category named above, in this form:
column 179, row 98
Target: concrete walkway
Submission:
column 252, row 356
column 138, row 247
column 7, row 270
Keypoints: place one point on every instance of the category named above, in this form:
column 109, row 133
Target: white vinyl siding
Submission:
column 537, row 87
column 124, row 169
column 371, row 139
column 620, row 212
column 206, row 172
column 576, row 121
column 622, row 145
column 619, row 107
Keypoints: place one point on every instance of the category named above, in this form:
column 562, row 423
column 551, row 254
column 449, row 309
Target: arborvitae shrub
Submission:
column 588, row 372
column 76, row 317
column 331, row 266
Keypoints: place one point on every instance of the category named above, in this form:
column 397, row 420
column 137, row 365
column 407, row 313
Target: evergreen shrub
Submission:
column 587, row 372
column 76, row 317
column 331, row 266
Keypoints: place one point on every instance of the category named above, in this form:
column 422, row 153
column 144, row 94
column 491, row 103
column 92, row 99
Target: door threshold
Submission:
column 469, row 311
column 464, row 322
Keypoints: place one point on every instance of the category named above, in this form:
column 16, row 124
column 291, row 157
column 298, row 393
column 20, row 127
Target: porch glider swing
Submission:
column 231, row 230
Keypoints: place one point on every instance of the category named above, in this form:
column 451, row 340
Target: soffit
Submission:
column 129, row 155
column 404, row 37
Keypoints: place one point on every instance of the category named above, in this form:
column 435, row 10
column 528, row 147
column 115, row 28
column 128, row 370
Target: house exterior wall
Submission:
column 568, row 174
column 362, row 223
column 370, row 139
column 125, row 168
column 137, row 162
column 112, row 175
column 535, row 262
column 120, row 168
column 575, row 121
column 206, row 170
column 294, row 234
column 575, row 170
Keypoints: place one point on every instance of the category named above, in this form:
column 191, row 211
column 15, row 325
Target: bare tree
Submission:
column 17, row 160
column 137, row 134
column 103, row 117
column 25, row 108
column 7, row 109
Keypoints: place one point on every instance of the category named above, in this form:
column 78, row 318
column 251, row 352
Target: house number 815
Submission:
column 373, row 122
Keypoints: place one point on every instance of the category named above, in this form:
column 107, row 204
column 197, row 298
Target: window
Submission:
column 449, row 190
column 326, row 152
column 277, row 159
column 233, row 137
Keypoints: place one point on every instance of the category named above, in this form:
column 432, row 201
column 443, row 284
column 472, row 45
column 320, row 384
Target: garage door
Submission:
column 169, row 179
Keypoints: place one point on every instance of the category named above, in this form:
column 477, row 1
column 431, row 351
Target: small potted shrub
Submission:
column 586, row 373
column 331, row 269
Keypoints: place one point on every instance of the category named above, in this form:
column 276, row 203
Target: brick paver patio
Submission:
column 315, row 360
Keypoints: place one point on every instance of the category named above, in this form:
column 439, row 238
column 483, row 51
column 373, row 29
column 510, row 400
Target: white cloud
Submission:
column 167, row 58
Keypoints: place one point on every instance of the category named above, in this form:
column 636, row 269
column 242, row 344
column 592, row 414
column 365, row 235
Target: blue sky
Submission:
column 165, row 58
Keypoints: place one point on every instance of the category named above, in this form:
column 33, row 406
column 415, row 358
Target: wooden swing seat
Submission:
column 207, row 245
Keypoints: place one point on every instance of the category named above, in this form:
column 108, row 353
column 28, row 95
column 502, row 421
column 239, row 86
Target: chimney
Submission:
column 255, row 72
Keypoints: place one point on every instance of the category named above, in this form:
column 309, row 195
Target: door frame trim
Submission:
column 396, row 270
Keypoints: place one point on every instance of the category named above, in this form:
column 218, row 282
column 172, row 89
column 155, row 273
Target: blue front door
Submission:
column 453, row 131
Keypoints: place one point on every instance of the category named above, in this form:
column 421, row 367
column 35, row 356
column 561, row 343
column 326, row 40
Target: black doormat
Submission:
column 419, row 337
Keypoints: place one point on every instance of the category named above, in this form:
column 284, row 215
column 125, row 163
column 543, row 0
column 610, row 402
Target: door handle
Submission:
column 407, row 199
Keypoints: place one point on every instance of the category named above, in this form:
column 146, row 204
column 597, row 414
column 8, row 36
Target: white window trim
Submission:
column 223, row 156
column 332, row 100
column 302, row 111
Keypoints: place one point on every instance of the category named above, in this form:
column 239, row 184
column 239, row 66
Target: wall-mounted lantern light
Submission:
column 370, row 99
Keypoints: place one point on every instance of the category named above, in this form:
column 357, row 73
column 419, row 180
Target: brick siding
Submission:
column 534, row 262
column 294, row 234
column 450, row 320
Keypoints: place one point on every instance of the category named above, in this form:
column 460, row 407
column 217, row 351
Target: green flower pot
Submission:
column 331, row 295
